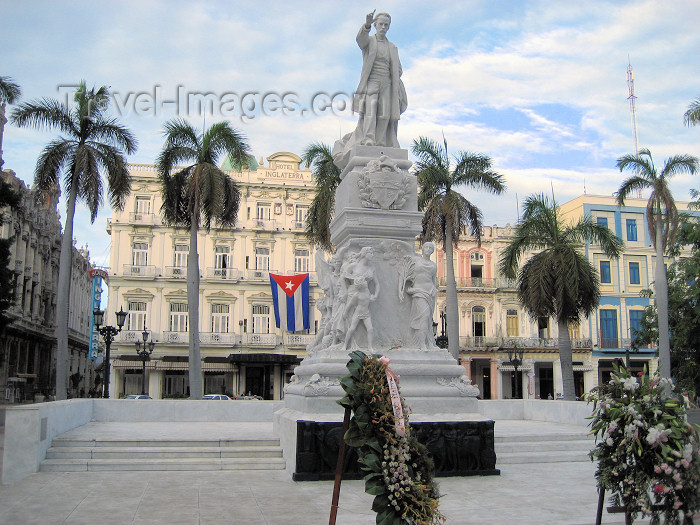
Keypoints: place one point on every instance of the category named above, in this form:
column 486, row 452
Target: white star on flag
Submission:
column 289, row 285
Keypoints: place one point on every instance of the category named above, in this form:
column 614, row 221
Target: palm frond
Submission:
column 679, row 164
column 110, row 131
column 54, row 158
column 326, row 175
column 474, row 169
column 692, row 116
column 9, row 90
column 46, row 114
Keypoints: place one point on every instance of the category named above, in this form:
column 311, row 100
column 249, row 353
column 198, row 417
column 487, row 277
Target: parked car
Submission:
column 137, row 396
column 221, row 397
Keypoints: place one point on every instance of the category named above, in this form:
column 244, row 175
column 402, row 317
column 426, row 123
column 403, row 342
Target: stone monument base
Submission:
column 459, row 444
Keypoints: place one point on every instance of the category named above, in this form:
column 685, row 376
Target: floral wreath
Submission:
column 648, row 454
column 399, row 470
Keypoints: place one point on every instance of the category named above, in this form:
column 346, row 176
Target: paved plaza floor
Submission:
column 554, row 493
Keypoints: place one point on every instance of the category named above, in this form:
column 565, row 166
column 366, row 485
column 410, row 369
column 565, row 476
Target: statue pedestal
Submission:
column 375, row 228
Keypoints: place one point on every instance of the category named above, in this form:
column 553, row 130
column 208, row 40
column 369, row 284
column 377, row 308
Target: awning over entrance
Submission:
column 166, row 364
column 265, row 359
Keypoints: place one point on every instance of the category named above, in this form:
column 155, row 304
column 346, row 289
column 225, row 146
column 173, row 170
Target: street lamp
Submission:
column 108, row 333
column 515, row 355
column 441, row 340
column 145, row 355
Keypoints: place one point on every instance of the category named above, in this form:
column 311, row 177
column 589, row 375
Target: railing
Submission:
column 258, row 275
column 298, row 340
column 260, row 339
column 144, row 218
column 264, row 224
column 230, row 274
column 299, row 226
column 176, row 337
column 518, row 342
column 139, row 271
column 131, row 336
column 216, row 338
column 620, row 342
column 481, row 282
column 177, row 272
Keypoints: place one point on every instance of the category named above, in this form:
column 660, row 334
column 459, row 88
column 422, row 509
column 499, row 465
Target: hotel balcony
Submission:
column 132, row 270
column 264, row 224
column 258, row 275
column 298, row 340
column 176, row 272
column 147, row 219
column 260, row 340
column 228, row 274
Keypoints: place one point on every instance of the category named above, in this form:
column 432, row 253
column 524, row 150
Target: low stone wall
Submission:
column 29, row 429
column 568, row 412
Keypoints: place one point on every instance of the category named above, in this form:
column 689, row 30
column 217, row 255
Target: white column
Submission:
column 155, row 380
column 276, row 382
column 558, row 384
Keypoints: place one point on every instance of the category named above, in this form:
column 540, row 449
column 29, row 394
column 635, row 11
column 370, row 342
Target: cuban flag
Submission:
column 290, row 295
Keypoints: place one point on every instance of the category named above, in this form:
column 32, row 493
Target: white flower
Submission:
column 630, row 384
column 609, row 442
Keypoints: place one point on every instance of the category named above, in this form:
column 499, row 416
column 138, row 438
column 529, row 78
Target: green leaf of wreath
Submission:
column 374, row 487
column 348, row 384
column 354, row 436
column 372, row 462
column 388, row 517
column 380, row 503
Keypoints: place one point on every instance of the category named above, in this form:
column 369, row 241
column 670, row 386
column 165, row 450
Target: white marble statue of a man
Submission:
column 380, row 98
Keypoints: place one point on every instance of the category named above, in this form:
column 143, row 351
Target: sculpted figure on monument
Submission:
column 380, row 97
column 340, row 283
column 360, row 274
column 420, row 282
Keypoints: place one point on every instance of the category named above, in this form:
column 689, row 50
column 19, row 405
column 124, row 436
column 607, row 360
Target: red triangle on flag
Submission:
column 289, row 283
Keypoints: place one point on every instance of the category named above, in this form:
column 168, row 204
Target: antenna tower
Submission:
column 633, row 111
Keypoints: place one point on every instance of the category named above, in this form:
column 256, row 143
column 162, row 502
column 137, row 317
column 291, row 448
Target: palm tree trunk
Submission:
column 3, row 120
column 661, row 289
column 451, row 297
column 195, row 361
column 65, row 268
column 566, row 361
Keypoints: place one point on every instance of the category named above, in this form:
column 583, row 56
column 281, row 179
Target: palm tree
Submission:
column 9, row 94
column 662, row 221
column 558, row 281
column 194, row 196
column 93, row 144
column 448, row 214
column 692, row 115
column 327, row 178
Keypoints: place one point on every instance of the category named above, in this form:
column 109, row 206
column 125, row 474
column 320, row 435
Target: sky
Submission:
column 539, row 86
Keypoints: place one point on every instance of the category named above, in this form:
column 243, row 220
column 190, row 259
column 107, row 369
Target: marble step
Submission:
column 190, row 464
column 72, row 442
column 542, row 438
column 153, row 452
column 527, row 446
column 546, row 456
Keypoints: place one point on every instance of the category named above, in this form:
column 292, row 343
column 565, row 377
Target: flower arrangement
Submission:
column 648, row 454
column 399, row 470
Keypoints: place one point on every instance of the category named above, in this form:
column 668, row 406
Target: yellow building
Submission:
column 242, row 350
